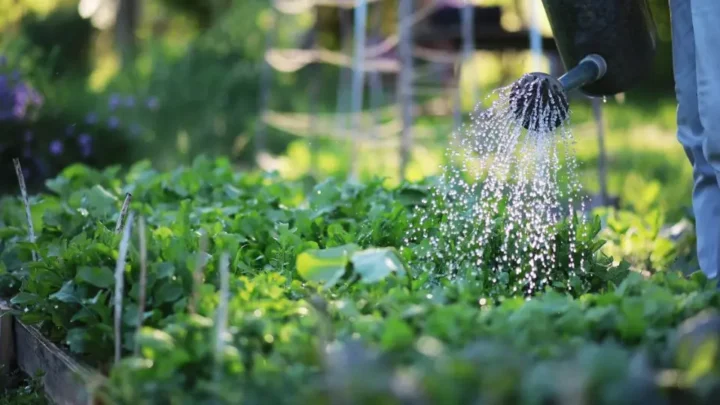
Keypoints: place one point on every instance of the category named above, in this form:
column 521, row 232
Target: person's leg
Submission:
column 706, row 192
column 706, row 24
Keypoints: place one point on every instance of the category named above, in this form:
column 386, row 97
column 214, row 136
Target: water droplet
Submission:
column 504, row 172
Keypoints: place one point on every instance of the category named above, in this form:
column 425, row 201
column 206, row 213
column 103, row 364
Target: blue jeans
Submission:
column 696, row 65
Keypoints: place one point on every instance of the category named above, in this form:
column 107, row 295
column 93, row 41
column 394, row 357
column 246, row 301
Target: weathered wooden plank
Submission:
column 65, row 380
column 7, row 344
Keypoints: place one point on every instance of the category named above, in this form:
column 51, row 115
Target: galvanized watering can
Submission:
column 620, row 32
column 606, row 46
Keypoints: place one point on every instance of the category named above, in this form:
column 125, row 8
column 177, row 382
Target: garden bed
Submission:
column 65, row 381
column 250, row 289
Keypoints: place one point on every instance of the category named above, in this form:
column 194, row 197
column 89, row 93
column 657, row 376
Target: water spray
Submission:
column 499, row 203
column 606, row 48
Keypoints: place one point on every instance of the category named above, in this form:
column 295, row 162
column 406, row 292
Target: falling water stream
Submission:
column 511, row 180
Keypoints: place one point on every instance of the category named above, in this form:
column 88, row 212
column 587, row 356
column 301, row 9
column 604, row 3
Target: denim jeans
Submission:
column 696, row 65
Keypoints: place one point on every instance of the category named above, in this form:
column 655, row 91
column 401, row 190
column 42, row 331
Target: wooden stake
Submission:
column 602, row 153
column 265, row 88
column 197, row 274
column 405, row 82
column 28, row 215
column 123, row 212
column 222, row 310
column 358, row 81
column 119, row 285
column 143, row 279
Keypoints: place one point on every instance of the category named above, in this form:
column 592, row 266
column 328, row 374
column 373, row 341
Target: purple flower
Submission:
column 28, row 136
column 84, row 139
column 15, row 75
column 26, row 173
column 114, row 122
column 114, row 101
column 3, row 60
column 24, row 97
column 56, row 147
column 36, row 98
column 91, row 118
column 27, row 152
column 85, row 142
column 153, row 103
column 16, row 98
column 19, row 110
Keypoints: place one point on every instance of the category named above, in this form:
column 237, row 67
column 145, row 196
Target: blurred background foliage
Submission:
column 190, row 80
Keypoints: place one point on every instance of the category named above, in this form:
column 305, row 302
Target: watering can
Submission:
column 606, row 46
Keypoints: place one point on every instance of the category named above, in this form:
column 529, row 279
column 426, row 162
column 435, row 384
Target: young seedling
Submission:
column 143, row 279
column 123, row 212
column 119, row 285
column 23, row 192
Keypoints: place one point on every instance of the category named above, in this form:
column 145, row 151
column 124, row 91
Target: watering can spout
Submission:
column 534, row 92
column 622, row 31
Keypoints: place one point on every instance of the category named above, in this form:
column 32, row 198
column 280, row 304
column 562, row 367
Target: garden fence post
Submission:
column 405, row 49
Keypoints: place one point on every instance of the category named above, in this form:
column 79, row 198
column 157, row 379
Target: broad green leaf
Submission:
column 102, row 277
column 325, row 265
column 232, row 191
column 100, row 203
column 201, row 258
column 396, row 334
column 76, row 338
column 374, row 265
column 25, row 299
column 412, row 195
column 33, row 317
column 698, row 277
column 67, row 293
column 10, row 231
column 59, row 185
column 39, row 210
column 168, row 292
column 154, row 341
column 704, row 358
column 163, row 232
column 27, row 248
column 633, row 323
column 130, row 314
column 163, row 270
column 84, row 315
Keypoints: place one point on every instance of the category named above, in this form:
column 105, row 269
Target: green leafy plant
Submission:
column 324, row 302
column 22, row 390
